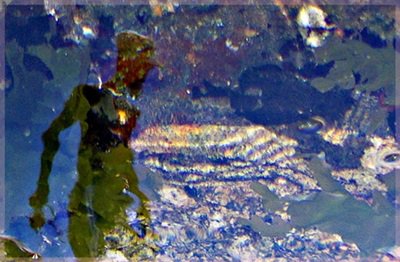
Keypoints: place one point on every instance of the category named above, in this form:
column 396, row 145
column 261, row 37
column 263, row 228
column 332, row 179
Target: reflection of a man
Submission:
column 102, row 193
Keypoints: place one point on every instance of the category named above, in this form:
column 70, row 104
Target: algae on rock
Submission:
column 357, row 65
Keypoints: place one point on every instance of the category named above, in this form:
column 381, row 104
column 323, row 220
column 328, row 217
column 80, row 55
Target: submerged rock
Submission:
column 10, row 246
column 212, row 227
column 379, row 159
column 213, row 154
column 268, row 95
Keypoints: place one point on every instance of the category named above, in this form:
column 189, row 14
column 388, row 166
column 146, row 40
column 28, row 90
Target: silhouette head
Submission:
column 135, row 60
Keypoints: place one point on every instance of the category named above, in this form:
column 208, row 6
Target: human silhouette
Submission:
column 106, row 181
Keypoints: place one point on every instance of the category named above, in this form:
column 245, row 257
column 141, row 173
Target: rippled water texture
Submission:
column 201, row 132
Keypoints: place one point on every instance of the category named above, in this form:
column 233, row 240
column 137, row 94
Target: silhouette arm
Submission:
column 75, row 109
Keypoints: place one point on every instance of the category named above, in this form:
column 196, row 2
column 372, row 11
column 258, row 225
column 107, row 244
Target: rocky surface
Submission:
column 215, row 154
